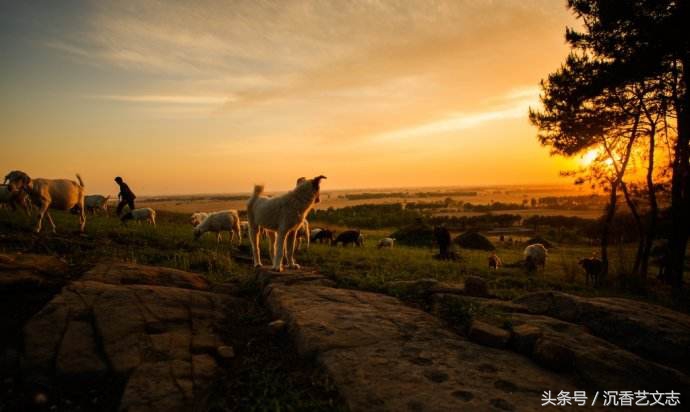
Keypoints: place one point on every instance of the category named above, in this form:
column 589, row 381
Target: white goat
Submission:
column 144, row 213
column 387, row 242
column 535, row 256
column 197, row 218
column 60, row 194
column 217, row 222
column 282, row 215
column 96, row 202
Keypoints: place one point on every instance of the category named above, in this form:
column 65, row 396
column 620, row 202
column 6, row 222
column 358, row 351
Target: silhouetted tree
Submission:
column 641, row 40
column 578, row 115
column 604, row 86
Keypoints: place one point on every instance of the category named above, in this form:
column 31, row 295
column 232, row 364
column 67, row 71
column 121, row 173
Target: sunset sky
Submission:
column 208, row 97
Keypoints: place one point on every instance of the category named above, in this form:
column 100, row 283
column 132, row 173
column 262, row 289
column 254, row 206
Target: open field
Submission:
column 171, row 244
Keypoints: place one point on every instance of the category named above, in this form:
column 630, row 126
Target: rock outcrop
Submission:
column 119, row 320
column 384, row 355
column 651, row 331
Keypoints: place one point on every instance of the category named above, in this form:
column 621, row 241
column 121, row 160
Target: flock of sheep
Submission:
column 20, row 191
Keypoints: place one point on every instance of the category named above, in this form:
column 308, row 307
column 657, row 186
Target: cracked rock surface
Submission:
column 153, row 328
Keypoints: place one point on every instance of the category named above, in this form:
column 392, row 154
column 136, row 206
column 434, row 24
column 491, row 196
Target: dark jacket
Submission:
column 125, row 192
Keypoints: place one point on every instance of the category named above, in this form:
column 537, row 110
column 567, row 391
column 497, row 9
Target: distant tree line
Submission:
column 385, row 195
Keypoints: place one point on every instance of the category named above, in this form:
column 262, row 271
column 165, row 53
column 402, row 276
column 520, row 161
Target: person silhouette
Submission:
column 126, row 196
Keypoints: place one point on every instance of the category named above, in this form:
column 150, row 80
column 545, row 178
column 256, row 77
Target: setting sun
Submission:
column 589, row 157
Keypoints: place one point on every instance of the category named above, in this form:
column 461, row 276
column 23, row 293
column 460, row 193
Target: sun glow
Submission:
column 589, row 157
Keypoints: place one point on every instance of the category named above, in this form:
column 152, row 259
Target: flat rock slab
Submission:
column 122, row 273
column 386, row 356
column 28, row 272
column 162, row 341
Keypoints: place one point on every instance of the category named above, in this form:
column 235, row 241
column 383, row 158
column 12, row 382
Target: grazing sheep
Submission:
column 92, row 203
column 14, row 199
column 222, row 221
column 593, row 267
column 535, row 256
column 282, row 215
column 353, row 237
column 197, row 218
column 495, row 261
column 145, row 213
column 323, row 236
column 387, row 242
column 60, row 194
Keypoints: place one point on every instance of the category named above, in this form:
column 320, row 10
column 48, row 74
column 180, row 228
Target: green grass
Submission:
column 171, row 244
column 369, row 268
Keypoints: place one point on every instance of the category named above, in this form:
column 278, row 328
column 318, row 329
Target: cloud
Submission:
column 186, row 100
column 511, row 105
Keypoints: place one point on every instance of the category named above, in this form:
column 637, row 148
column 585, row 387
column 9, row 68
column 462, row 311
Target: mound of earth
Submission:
column 474, row 240
column 417, row 234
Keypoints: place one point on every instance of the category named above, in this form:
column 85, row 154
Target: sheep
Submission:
column 353, row 237
column 222, row 221
column 60, row 194
column 323, row 236
column 495, row 261
column 14, row 199
column 92, row 203
column 197, row 218
column 145, row 213
column 387, row 242
column 535, row 256
column 593, row 268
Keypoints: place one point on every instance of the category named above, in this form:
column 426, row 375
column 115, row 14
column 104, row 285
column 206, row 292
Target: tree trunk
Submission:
column 606, row 229
column 640, row 227
column 680, row 185
column 653, row 206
